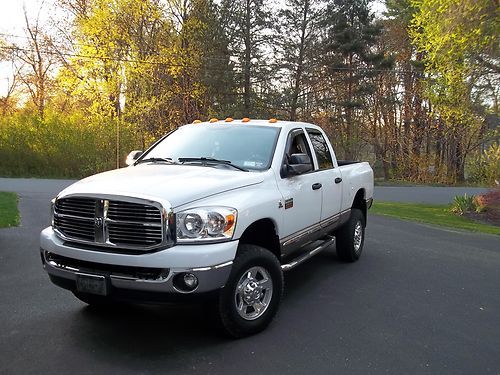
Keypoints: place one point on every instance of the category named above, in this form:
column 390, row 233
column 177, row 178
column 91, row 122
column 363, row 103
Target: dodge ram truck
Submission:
column 216, row 209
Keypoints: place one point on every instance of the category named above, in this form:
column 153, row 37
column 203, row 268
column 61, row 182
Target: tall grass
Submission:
column 69, row 146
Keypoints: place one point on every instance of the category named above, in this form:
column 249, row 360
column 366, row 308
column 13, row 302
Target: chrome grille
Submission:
column 134, row 224
column 111, row 223
column 74, row 218
column 81, row 207
column 125, row 211
column 123, row 233
column 75, row 227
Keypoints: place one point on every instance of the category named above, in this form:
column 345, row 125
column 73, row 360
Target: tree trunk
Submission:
column 300, row 64
column 247, row 60
column 407, row 113
column 348, row 116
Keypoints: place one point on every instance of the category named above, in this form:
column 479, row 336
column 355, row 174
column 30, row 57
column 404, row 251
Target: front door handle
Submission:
column 316, row 186
column 338, row 180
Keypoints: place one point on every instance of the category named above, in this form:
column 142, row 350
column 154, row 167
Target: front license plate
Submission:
column 92, row 284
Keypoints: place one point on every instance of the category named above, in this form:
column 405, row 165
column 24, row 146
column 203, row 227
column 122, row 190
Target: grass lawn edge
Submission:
column 9, row 212
column 438, row 215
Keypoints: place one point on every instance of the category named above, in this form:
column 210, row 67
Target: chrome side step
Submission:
column 295, row 262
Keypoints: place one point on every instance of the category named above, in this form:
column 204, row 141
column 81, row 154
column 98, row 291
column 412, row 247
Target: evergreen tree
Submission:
column 249, row 23
column 350, row 60
column 217, row 69
column 298, row 34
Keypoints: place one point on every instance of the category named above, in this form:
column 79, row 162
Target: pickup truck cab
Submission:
column 216, row 209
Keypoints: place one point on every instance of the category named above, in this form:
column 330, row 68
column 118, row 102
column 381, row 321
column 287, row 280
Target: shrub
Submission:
column 463, row 204
column 490, row 200
column 69, row 146
column 484, row 168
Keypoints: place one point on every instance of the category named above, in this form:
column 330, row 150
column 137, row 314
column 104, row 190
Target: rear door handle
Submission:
column 338, row 180
column 316, row 186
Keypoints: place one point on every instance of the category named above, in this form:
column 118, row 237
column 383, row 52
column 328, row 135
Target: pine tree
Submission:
column 350, row 60
column 217, row 69
column 249, row 22
column 298, row 33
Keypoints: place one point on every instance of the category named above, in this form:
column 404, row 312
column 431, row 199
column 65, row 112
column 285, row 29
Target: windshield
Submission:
column 248, row 147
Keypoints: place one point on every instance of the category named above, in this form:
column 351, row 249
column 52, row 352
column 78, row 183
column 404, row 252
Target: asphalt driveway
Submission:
column 421, row 300
column 423, row 194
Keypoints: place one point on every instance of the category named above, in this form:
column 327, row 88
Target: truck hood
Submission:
column 178, row 184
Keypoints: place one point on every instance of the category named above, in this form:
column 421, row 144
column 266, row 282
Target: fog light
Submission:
column 190, row 280
column 185, row 282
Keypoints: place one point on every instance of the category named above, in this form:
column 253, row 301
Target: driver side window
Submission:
column 302, row 161
column 297, row 144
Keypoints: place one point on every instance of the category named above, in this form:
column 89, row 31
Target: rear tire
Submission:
column 350, row 237
column 251, row 297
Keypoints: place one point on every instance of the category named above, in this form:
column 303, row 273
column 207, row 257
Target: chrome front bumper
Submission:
column 152, row 272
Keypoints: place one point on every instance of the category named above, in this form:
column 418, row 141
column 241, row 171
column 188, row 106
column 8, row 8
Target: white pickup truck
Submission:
column 214, row 209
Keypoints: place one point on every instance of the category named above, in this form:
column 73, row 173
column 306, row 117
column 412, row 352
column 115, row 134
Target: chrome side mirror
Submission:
column 299, row 164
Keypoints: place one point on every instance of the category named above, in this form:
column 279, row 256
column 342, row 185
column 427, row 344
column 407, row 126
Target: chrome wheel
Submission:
column 253, row 293
column 358, row 236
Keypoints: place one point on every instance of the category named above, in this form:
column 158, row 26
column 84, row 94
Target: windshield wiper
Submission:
column 155, row 160
column 206, row 161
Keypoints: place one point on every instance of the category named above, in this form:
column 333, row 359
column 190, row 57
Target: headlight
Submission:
column 206, row 224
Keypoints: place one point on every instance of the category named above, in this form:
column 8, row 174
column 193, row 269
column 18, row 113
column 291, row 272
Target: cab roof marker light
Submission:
column 273, row 120
column 228, row 119
column 245, row 119
column 197, row 122
column 212, row 120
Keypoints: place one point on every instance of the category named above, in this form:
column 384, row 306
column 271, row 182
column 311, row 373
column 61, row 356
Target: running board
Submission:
column 295, row 262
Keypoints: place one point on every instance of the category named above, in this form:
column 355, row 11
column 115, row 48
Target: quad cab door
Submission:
column 301, row 203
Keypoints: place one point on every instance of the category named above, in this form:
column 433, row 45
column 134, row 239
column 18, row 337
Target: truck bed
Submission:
column 346, row 162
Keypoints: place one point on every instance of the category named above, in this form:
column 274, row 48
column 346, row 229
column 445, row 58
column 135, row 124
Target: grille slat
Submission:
column 89, row 230
column 70, row 233
column 82, row 207
column 130, row 224
column 134, row 219
column 119, row 239
column 84, row 232
column 140, row 230
column 77, row 233
column 74, row 227
column 133, row 213
column 76, row 208
column 139, row 207
column 73, row 211
column 90, row 204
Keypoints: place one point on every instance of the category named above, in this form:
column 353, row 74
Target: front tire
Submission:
column 252, row 294
column 350, row 238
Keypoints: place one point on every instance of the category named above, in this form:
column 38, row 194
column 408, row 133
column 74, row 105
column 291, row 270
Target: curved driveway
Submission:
column 423, row 194
column 421, row 300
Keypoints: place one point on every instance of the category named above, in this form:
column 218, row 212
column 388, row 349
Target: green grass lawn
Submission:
column 431, row 214
column 9, row 215
column 403, row 183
